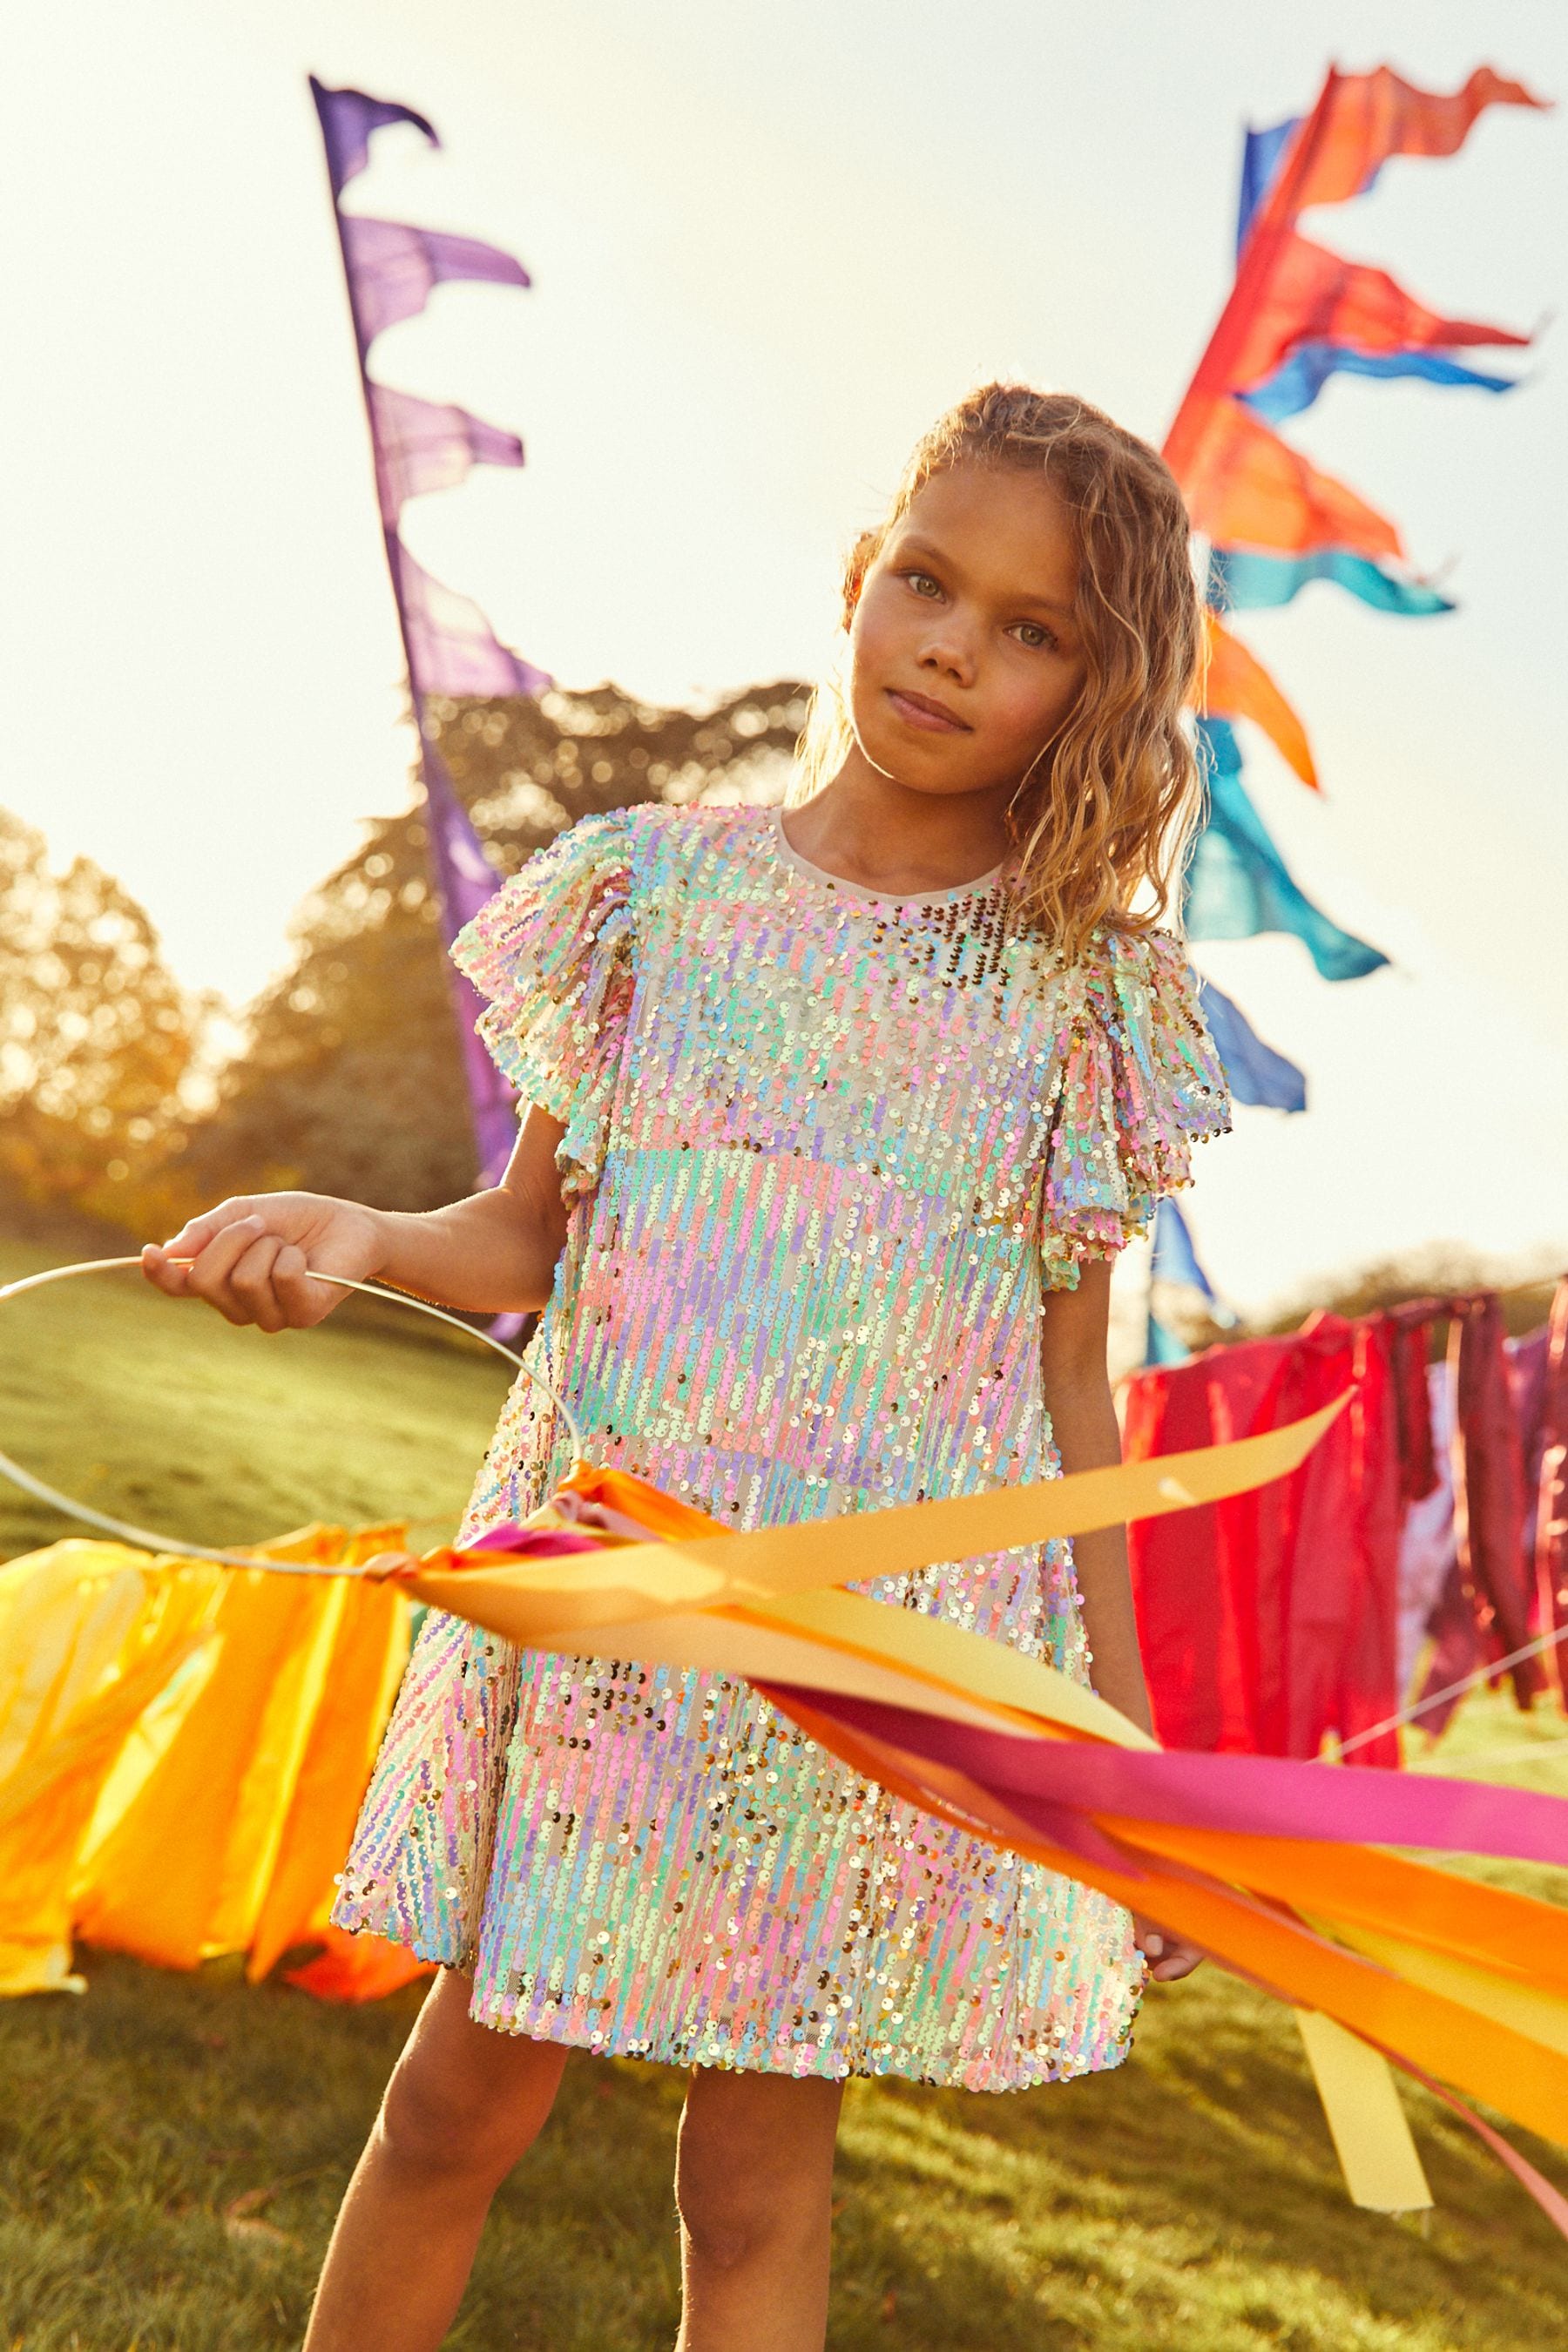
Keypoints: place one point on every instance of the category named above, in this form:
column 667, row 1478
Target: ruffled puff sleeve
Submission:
column 551, row 955
column 1140, row 1081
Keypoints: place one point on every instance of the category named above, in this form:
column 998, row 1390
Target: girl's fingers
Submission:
column 1177, row 1963
column 250, row 1284
column 168, row 1264
column 209, row 1276
column 197, row 1232
column 163, row 1273
column 303, row 1299
column 1169, row 1957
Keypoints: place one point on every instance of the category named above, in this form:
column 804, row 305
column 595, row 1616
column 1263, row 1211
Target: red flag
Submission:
column 1313, row 296
column 1373, row 116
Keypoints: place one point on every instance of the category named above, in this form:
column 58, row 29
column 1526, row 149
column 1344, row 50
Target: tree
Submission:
column 98, row 1043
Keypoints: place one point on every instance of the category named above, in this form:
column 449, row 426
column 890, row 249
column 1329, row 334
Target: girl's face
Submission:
column 964, row 661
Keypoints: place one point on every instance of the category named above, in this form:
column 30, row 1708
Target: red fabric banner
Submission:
column 1313, row 296
column 1552, row 1498
column 1270, row 1621
column 1489, row 1607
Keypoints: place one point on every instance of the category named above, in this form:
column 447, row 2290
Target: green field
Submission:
column 173, row 2149
column 159, row 1412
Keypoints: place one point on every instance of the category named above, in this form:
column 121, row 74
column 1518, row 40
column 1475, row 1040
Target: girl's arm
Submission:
column 495, row 1253
column 1083, row 1420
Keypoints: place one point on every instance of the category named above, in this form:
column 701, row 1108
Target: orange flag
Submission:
column 1239, row 686
column 1247, row 488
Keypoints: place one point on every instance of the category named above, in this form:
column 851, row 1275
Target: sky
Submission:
column 768, row 247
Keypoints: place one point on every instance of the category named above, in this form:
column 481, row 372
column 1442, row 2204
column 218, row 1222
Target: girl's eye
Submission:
column 922, row 584
column 1031, row 634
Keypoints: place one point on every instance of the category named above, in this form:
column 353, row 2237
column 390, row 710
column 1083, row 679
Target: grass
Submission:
column 173, row 2149
column 158, row 1412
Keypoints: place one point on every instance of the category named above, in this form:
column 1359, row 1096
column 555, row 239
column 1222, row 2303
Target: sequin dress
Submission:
column 826, row 1150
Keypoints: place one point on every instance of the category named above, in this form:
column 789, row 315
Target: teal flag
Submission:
column 1237, row 884
column 1243, row 580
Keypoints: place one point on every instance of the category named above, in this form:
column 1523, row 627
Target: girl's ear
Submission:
column 862, row 555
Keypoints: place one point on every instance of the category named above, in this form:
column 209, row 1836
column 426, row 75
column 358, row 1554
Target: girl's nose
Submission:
column 950, row 652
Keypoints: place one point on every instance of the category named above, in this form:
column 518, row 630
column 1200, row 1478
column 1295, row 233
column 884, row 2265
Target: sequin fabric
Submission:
column 826, row 1151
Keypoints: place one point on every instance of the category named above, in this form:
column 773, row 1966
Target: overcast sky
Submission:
column 769, row 245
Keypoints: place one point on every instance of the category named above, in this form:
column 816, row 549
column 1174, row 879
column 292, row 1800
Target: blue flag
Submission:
column 1174, row 1258
column 1237, row 884
column 1260, row 154
column 1297, row 381
column 1253, row 1072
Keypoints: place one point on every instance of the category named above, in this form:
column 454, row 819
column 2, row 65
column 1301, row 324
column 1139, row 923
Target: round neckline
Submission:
column 785, row 849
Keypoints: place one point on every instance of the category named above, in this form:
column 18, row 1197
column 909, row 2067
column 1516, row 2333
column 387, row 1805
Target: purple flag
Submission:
column 452, row 648
column 465, row 879
column 348, row 118
column 393, row 268
column 422, row 447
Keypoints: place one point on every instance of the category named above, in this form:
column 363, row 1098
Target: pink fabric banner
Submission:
column 1253, row 1796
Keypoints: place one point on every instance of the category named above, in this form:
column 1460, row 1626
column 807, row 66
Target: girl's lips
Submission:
column 916, row 711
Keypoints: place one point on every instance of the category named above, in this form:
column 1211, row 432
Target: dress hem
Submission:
column 690, row 2051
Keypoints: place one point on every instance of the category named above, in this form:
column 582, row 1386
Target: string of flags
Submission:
column 392, row 268
column 1297, row 314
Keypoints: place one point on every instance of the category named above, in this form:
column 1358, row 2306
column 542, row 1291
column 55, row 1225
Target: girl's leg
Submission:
column 463, row 2104
column 754, row 2182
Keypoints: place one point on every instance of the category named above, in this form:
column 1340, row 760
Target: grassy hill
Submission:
column 173, row 2149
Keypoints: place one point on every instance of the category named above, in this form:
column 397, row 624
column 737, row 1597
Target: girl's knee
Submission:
column 451, row 2123
column 755, row 2166
column 725, row 2217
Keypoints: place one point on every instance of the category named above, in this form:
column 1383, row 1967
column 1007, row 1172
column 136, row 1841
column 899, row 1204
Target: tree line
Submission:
column 119, row 1100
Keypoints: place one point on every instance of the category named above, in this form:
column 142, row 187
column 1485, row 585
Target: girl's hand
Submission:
column 253, row 1259
column 1168, row 1957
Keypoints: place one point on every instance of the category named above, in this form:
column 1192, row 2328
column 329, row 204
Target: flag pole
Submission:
column 388, row 531
column 392, row 546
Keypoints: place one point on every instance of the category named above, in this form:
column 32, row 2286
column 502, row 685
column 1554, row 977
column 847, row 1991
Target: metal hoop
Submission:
column 145, row 1537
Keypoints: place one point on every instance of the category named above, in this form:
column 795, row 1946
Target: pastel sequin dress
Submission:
column 827, row 1148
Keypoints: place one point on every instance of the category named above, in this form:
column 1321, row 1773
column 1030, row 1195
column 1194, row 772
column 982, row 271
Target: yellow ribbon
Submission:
column 530, row 1600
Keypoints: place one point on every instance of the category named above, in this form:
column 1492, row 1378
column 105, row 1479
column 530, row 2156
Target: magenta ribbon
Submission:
column 1262, row 1796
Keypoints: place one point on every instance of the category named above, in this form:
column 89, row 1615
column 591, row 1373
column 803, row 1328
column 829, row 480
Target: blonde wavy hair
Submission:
column 1106, row 813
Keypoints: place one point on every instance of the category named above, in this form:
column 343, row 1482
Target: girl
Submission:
column 835, row 1115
